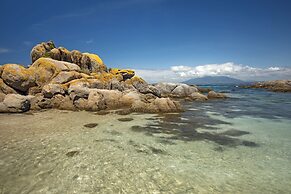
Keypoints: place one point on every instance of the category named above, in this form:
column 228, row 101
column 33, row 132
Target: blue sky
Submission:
column 154, row 35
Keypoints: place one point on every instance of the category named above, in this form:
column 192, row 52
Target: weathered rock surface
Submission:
column 50, row 90
column 212, row 95
column 5, row 89
column 71, row 80
column 14, row 103
column 179, row 90
column 275, row 86
column 18, row 77
column 86, row 61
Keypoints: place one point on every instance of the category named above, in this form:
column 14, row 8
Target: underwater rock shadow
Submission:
column 171, row 127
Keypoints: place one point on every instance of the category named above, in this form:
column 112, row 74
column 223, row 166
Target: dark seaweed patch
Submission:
column 143, row 148
column 166, row 141
column 72, row 153
column 219, row 149
column 235, row 133
column 105, row 140
column 125, row 119
column 91, row 125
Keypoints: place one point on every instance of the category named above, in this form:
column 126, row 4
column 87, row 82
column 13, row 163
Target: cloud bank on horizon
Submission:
column 244, row 72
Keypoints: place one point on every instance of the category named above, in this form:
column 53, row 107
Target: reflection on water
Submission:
column 241, row 145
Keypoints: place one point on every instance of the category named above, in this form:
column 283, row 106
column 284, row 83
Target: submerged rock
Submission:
column 91, row 125
column 125, row 119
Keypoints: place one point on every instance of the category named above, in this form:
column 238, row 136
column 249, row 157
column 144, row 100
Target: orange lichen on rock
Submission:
column 126, row 73
column 18, row 77
column 45, row 69
column 97, row 60
column 135, row 79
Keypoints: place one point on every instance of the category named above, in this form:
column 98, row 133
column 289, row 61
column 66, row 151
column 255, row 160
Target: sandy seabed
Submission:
column 58, row 151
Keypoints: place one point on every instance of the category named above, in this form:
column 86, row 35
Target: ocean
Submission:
column 238, row 145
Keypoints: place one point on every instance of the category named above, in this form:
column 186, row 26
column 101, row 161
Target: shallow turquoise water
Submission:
column 239, row 145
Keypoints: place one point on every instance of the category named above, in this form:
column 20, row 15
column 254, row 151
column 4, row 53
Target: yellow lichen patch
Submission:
column 135, row 79
column 44, row 70
column 94, row 57
column 106, row 77
column 18, row 77
column 16, row 69
column 75, row 82
column 125, row 73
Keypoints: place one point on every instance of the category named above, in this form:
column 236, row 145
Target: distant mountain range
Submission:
column 214, row 80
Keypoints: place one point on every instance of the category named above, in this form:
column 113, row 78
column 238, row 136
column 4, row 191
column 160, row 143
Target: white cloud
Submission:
column 158, row 75
column 244, row 72
column 4, row 50
column 211, row 70
column 274, row 68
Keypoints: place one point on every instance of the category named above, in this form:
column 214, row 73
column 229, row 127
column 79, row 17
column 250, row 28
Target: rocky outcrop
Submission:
column 179, row 90
column 275, row 86
column 71, row 80
column 87, row 62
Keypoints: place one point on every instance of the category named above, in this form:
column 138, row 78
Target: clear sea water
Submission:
column 238, row 145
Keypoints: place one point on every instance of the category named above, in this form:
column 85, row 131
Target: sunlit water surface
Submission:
column 238, row 145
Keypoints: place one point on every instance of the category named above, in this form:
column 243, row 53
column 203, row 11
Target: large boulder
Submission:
column 44, row 69
column 125, row 73
column 213, row 95
column 14, row 103
column 183, row 90
column 130, row 97
column 50, row 90
column 86, row 61
column 41, row 49
column 62, row 102
column 176, row 90
column 66, row 76
column 196, row 96
column 18, row 77
column 142, row 86
column 158, row 105
column 96, row 101
column 165, row 88
column 97, row 64
column 78, row 89
column 111, row 98
column 40, row 102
